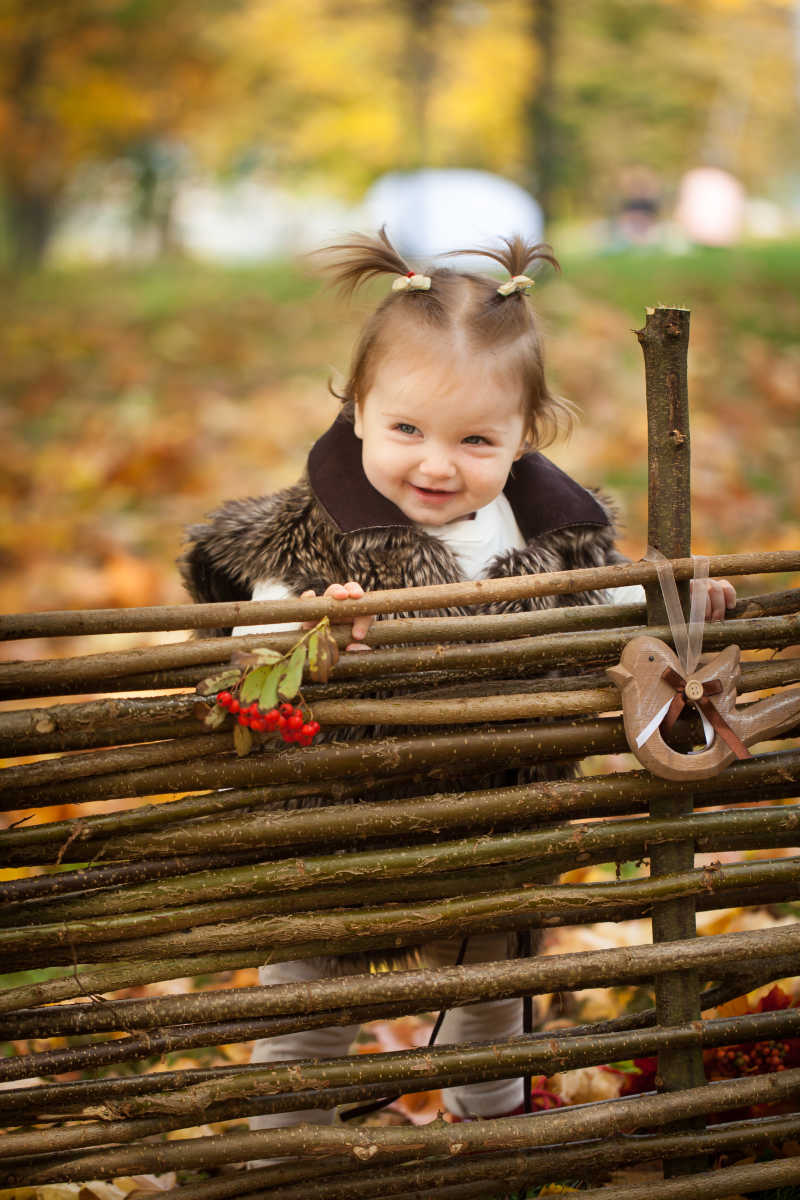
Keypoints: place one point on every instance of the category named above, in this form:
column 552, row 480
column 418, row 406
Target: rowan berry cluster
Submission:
column 751, row 1058
column 290, row 722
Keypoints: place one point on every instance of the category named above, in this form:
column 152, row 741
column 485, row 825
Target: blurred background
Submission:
column 165, row 343
column 164, row 168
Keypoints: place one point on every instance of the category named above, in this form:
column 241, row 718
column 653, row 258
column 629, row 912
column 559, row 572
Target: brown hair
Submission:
column 459, row 303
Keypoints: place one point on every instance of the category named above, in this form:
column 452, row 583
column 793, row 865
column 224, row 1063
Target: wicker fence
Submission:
column 225, row 877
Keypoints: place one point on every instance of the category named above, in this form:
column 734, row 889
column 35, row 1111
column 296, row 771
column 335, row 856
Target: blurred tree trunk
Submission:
column 29, row 162
column 542, row 114
column 30, row 219
column 419, row 70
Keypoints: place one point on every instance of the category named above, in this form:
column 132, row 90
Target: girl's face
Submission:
column 438, row 436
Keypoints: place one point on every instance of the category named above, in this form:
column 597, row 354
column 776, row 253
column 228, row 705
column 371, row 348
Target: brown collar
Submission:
column 543, row 498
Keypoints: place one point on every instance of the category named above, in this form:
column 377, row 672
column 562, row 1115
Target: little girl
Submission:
column 429, row 475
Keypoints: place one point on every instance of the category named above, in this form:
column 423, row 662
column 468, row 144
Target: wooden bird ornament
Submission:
column 655, row 689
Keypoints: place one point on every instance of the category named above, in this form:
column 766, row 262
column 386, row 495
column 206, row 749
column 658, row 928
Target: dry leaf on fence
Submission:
column 585, row 1084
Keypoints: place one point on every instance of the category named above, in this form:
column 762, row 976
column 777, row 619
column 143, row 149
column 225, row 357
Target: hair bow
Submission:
column 517, row 283
column 413, row 282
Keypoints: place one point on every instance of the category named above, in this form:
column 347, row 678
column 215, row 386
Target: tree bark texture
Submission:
column 163, row 618
column 665, row 344
column 545, row 652
column 88, row 981
column 107, row 722
column 427, row 988
column 524, row 807
column 512, row 1170
column 147, row 908
column 767, row 777
column 46, row 1103
column 565, row 1125
column 297, row 1085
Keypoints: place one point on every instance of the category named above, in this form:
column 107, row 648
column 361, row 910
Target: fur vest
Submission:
column 333, row 526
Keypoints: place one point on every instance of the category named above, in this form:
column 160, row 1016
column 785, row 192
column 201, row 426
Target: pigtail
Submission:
column 351, row 264
column 516, row 254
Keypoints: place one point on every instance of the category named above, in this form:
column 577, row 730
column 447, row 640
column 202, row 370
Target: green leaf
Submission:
column 289, row 685
column 253, row 683
column 218, row 683
column 242, row 740
column 215, row 717
column 269, row 692
column 265, row 655
column 318, row 659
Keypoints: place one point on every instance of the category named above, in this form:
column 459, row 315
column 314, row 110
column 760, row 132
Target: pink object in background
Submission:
column 711, row 207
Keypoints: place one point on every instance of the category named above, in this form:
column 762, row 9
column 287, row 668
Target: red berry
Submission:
column 286, row 710
column 314, row 726
column 224, row 699
column 305, row 739
column 244, row 719
column 295, row 721
column 282, row 724
column 272, row 718
column 258, row 724
column 234, row 705
column 253, row 709
column 307, row 731
column 289, row 735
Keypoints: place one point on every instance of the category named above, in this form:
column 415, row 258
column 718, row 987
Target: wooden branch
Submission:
column 567, row 1125
column 45, row 1101
column 301, row 1084
column 419, row 990
column 769, row 777
column 18, row 680
column 665, row 343
column 569, row 842
column 380, row 758
column 306, row 935
column 511, row 1170
column 483, row 591
column 764, row 1178
column 403, row 631
column 98, row 723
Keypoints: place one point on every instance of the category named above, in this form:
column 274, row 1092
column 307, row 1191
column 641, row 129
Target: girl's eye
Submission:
column 475, row 439
column 404, row 427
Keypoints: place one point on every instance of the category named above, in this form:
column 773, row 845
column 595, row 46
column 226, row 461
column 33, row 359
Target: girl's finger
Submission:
column 361, row 626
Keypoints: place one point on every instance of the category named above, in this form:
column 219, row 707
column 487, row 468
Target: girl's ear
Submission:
column 357, row 422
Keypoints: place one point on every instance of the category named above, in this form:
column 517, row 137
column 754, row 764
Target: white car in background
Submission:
column 432, row 210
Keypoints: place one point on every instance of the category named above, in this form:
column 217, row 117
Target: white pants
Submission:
column 488, row 1021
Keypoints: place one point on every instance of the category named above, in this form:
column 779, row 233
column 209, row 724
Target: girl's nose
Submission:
column 437, row 463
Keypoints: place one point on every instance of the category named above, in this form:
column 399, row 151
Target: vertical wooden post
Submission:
column 665, row 343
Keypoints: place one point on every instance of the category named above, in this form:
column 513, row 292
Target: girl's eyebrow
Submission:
column 408, row 419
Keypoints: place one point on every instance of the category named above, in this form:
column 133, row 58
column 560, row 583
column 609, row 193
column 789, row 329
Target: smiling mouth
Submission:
column 434, row 492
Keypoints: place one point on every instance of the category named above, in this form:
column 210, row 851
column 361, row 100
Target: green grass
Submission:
column 165, row 289
column 754, row 289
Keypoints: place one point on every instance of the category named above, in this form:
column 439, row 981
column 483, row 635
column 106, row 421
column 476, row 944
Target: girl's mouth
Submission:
column 434, row 494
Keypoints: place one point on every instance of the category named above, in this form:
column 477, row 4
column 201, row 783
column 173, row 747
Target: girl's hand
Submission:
column 720, row 595
column 348, row 591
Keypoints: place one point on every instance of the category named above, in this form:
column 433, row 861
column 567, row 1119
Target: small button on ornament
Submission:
column 694, row 690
